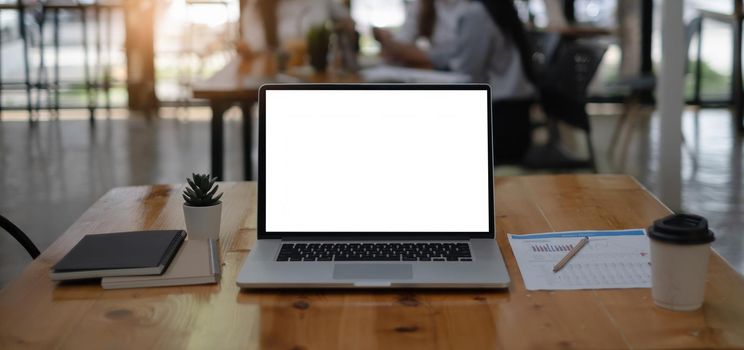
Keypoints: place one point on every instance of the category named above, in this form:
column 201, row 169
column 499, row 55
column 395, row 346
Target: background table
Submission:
column 237, row 84
column 35, row 313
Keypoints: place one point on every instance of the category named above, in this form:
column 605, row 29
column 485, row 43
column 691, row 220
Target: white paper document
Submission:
column 611, row 259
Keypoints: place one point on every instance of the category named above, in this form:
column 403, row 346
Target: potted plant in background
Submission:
column 318, row 40
column 202, row 209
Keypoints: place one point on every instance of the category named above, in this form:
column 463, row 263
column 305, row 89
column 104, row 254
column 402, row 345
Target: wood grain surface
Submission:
column 37, row 313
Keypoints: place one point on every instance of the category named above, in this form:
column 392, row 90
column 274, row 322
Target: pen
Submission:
column 570, row 254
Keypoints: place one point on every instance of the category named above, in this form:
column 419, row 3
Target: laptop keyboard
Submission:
column 374, row 252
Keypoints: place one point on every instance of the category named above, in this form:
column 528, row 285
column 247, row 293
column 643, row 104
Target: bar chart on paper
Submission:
column 611, row 259
column 551, row 247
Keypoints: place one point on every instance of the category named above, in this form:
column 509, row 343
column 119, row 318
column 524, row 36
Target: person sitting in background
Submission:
column 491, row 47
column 268, row 25
column 428, row 33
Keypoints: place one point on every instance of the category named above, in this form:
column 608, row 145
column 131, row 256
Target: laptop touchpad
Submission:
column 372, row 271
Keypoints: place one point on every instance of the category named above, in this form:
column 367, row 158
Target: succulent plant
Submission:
column 201, row 191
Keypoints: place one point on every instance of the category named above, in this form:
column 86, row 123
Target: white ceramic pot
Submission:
column 203, row 222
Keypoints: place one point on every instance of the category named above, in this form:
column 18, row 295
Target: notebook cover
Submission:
column 122, row 250
column 197, row 262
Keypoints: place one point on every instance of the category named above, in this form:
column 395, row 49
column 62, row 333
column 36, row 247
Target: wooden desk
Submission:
column 238, row 83
column 34, row 313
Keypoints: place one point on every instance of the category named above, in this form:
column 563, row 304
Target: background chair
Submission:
column 637, row 88
column 19, row 236
column 563, row 93
column 544, row 46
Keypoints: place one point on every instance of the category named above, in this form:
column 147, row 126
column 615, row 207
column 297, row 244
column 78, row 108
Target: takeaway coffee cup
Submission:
column 680, row 247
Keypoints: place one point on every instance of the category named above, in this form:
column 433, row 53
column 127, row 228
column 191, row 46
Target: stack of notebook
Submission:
column 141, row 259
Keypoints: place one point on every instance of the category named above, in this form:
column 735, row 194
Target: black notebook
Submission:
column 119, row 254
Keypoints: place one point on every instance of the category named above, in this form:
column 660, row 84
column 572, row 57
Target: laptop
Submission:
column 375, row 186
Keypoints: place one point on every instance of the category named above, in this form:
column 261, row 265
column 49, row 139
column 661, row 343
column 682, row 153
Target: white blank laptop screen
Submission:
column 377, row 161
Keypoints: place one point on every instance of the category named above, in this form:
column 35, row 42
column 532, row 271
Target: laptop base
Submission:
column 262, row 270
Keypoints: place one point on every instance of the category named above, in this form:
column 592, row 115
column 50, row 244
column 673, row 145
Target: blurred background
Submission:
column 96, row 94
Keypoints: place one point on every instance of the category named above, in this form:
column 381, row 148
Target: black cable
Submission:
column 19, row 236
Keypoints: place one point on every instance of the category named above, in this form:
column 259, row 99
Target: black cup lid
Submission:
column 681, row 229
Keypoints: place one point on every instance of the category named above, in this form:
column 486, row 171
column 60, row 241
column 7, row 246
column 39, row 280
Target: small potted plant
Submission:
column 202, row 209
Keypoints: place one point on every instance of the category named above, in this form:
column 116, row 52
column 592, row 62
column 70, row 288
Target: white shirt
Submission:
column 487, row 56
column 444, row 33
column 294, row 20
